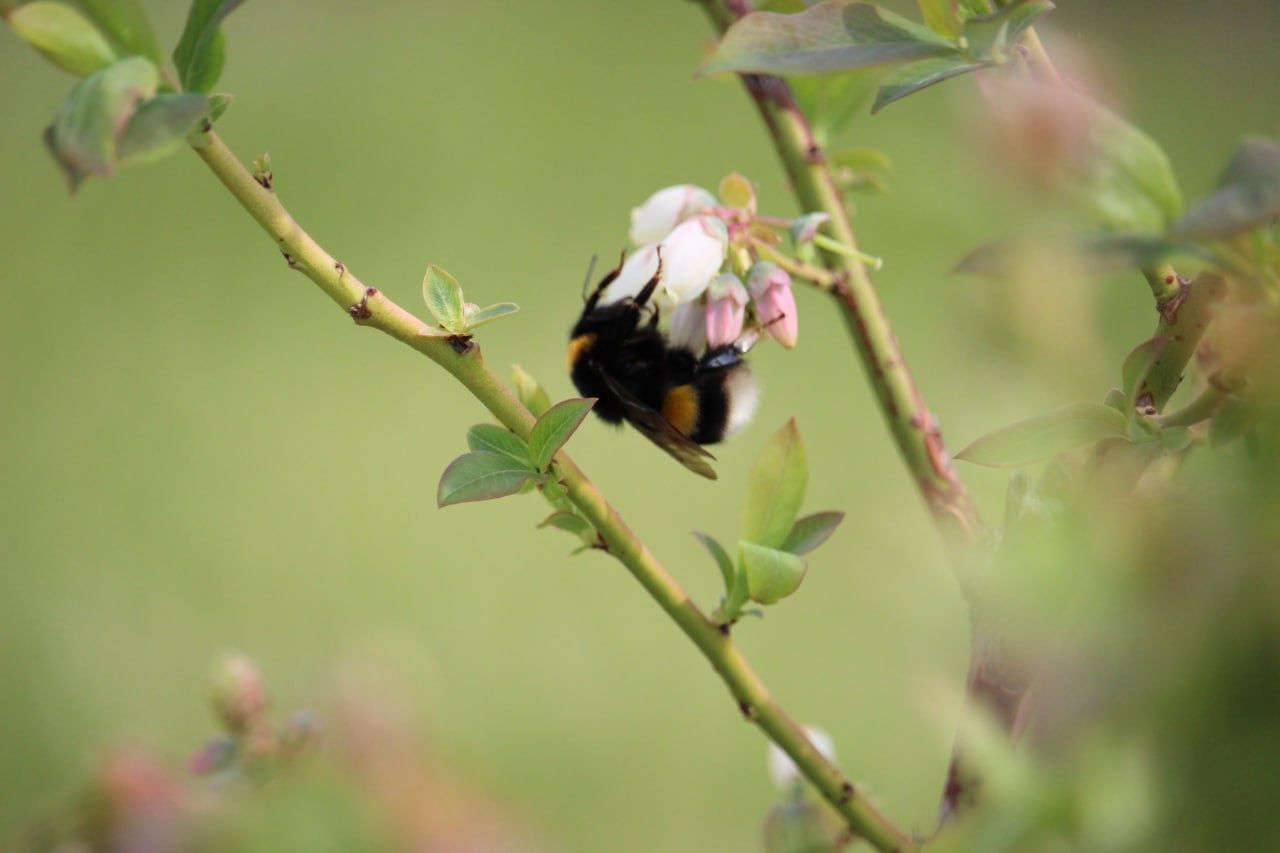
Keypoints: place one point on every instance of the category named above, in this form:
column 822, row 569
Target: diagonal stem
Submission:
column 369, row 307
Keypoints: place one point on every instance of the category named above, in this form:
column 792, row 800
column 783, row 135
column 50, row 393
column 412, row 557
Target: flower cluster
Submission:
column 722, row 271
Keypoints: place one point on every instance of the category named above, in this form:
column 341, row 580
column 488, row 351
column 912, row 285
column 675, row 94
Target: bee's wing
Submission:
column 661, row 431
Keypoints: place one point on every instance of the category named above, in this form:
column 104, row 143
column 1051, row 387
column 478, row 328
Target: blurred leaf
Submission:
column 126, row 24
column 811, row 531
column 444, row 299
column 498, row 439
column 481, row 476
column 476, row 319
column 1101, row 253
column 88, row 124
column 554, row 428
column 1138, row 363
column 571, row 523
column 921, row 75
column 989, row 36
column 721, row 556
column 944, row 17
column 65, row 37
column 1118, row 401
column 776, row 488
column 531, row 394
column 1175, row 439
column 201, row 51
column 860, row 168
column 836, row 35
column 832, row 101
column 771, row 574
column 1126, row 182
column 736, row 191
column 160, row 127
column 1042, row 437
column 1235, row 418
column 799, row 825
column 1248, row 194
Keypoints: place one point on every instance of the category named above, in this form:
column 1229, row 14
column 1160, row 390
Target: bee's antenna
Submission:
column 586, row 282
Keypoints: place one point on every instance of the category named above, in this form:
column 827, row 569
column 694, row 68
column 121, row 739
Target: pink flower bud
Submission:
column 238, row 694
column 770, row 287
column 726, row 309
column 666, row 209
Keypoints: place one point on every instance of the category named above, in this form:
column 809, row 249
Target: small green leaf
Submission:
column 65, row 37
column 776, row 488
column 944, row 17
column 721, row 556
column 836, row 35
column 88, row 125
column 126, row 24
column 1248, row 194
column 554, row 428
column 201, row 51
column 989, row 36
column 1138, row 363
column 1042, row 437
column 477, row 318
column 860, row 169
column 736, row 191
column 160, row 127
column 573, row 524
column 444, row 299
column 1235, row 418
column 921, row 75
column 496, row 439
column 811, row 531
column 771, row 574
column 481, row 476
column 1117, row 400
column 531, row 393
column 832, row 101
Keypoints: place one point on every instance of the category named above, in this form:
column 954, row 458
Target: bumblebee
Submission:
column 676, row 398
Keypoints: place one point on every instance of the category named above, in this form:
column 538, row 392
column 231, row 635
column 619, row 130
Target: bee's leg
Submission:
column 604, row 282
column 652, row 284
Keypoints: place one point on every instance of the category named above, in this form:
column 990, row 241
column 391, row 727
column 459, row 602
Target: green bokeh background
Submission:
column 201, row 454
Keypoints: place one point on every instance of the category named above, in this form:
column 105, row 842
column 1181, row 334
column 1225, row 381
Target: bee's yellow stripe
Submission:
column 681, row 408
column 578, row 346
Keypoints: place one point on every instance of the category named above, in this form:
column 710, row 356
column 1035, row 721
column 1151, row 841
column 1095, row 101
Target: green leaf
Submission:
column 477, row 318
column 497, row 439
column 1175, row 439
column 721, row 556
column 1138, row 363
column 1126, row 181
column 65, row 37
column 160, row 127
column 1235, row 418
column 836, row 35
column 1248, row 194
column 554, row 428
column 832, row 101
column 989, row 36
column 811, row 531
column 531, row 393
column 444, row 299
column 776, row 488
column 1116, row 399
column 944, row 17
column 87, row 127
column 1042, row 437
column 481, row 476
column 126, row 24
column 201, row 51
column 771, row 574
column 921, row 75
column 572, row 524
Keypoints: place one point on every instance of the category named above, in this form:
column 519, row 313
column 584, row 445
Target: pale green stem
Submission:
column 370, row 307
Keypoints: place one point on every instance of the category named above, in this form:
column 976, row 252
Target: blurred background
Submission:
column 200, row 454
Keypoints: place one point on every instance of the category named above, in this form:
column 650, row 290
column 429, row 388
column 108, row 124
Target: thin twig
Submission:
column 370, row 307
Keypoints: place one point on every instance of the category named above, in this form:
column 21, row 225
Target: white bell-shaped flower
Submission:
column 666, row 209
column 691, row 256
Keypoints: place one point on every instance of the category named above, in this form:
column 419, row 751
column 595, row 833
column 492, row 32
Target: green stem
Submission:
column 370, row 307
column 913, row 426
column 1198, row 410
